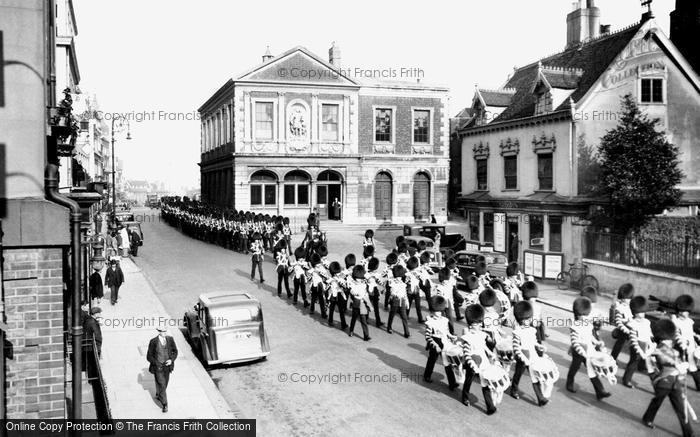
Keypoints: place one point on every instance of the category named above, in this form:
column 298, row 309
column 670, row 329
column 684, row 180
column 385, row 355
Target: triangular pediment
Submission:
column 297, row 65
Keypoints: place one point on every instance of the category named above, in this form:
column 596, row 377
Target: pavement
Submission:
column 319, row 381
column 127, row 327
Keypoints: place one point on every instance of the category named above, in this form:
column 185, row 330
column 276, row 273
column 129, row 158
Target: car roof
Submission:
column 433, row 225
column 418, row 238
column 227, row 298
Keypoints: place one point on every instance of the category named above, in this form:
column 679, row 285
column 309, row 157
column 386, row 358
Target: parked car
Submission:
column 496, row 263
column 227, row 327
column 436, row 259
column 125, row 216
column 453, row 242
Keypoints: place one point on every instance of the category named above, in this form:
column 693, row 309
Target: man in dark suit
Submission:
column 114, row 278
column 95, row 284
column 161, row 356
column 135, row 242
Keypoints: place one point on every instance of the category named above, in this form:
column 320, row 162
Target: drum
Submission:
column 604, row 366
column 504, row 351
column 503, row 302
column 495, row 378
column 453, row 356
column 545, row 371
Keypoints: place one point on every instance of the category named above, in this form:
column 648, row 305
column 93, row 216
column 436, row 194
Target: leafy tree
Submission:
column 588, row 168
column 639, row 171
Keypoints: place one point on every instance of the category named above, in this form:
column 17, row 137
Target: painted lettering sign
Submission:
column 640, row 55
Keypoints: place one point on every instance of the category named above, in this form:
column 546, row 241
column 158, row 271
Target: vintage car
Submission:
column 124, row 216
column 227, row 327
column 436, row 259
column 453, row 242
column 496, row 263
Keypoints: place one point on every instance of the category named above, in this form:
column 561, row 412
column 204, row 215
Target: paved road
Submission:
column 368, row 388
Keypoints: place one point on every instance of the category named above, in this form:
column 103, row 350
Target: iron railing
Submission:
column 665, row 255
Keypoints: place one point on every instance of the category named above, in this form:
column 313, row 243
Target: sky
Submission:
column 159, row 60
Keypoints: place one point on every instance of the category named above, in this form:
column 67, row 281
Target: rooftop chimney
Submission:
column 583, row 23
column 334, row 55
column 605, row 29
column 267, row 56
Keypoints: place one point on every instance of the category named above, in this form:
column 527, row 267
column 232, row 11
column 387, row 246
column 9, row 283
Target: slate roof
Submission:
column 497, row 98
column 593, row 58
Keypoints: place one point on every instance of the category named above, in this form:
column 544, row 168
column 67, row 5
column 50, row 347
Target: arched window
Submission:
column 296, row 188
column 329, row 176
column 263, row 188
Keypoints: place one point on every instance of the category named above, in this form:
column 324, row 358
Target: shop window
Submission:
column 555, row 222
column 488, row 227
column 536, row 232
column 474, row 225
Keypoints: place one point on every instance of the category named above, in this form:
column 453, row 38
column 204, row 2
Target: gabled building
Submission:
column 520, row 165
column 295, row 135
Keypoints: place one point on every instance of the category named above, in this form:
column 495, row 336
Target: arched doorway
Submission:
column 382, row 196
column 421, row 196
column 329, row 195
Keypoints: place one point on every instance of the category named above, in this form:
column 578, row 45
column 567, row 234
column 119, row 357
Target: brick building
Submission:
column 520, row 150
column 294, row 134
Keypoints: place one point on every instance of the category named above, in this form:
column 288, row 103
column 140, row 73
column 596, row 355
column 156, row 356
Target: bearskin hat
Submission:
column 451, row 263
column 474, row 314
column 529, row 290
column 334, row 268
column 285, row 220
column 392, row 259
column 282, row 244
column 439, row 303
column 590, row 293
column 664, row 329
column 315, row 259
column 412, row 263
column 411, row 244
column 522, row 311
column 368, row 251
column 424, row 258
column 311, row 219
column 685, row 303
column 350, row 260
column 323, row 250
column 488, row 298
column 400, row 239
column 422, row 245
column 444, row 274
column 279, row 227
column 373, row 264
column 626, row 291
column 369, row 233
column 412, row 250
column 638, row 304
column 582, row 306
column 403, row 247
column 480, row 268
column 398, row 271
column 472, row 282
column 299, row 253
column 358, row 272
column 512, row 269
column 257, row 236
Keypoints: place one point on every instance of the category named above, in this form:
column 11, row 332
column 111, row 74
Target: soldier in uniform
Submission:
column 437, row 334
column 667, row 371
column 583, row 344
column 300, row 267
column 444, row 289
column 413, row 281
column 282, row 258
column 369, row 238
column 425, row 273
column 373, row 280
column 525, row 347
column 319, row 274
column 492, row 320
column 530, row 294
column 686, row 339
column 336, row 295
column 399, row 299
column 477, row 350
column 620, row 315
column 640, row 337
column 391, row 260
column 361, row 305
column 257, row 258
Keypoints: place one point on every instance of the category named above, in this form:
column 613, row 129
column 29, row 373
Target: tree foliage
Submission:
column 588, row 168
column 639, row 171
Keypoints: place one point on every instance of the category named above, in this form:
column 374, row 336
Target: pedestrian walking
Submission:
column 136, row 242
column 114, row 278
column 257, row 259
column 95, row 286
column 161, row 356
column 91, row 328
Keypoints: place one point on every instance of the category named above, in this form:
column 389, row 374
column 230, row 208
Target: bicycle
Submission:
column 576, row 277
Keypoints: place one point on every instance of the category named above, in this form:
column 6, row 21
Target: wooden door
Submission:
column 382, row 197
column 421, row 197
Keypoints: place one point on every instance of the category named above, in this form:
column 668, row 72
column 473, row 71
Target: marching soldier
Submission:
column 685, row 335
column 667, row 371
column 282, row 258
column 300, row 267
column 477, row 351
column 530, row 294
column 373, row 279
column 387, row 275
column 620, row 316
column 444, row 289
column 424, row 275
column 583, row 344
column 525, row 347
column 361, row 305
column 369, row 238
column 437, row 334
column 336, row 295
column 399, row 299
column 319, row 274
column 413, row 281
column 640, row 337
column 257, row 258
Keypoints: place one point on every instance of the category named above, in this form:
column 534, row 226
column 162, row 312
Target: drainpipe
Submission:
column 51, row 187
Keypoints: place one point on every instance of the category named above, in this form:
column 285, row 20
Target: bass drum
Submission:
column 495, row 378
column 545, row 371
column 696, row 355
column 453, row 356
column 504, row 351
column 604, row 366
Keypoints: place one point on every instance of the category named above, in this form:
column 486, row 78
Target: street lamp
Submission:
column 114, row 174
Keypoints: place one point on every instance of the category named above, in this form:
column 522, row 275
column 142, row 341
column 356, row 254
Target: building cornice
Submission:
column 552, row 117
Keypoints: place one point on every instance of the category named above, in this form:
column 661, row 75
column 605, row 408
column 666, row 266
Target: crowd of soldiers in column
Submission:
column 504, row 322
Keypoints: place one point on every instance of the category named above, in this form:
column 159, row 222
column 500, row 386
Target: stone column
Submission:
column 247, row 108
column 345, row 137
column 281, row 118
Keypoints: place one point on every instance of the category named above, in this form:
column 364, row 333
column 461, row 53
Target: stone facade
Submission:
column 294, row 144
column 35, row 376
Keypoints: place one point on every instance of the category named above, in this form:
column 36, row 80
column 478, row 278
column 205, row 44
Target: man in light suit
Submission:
column 161, row 356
